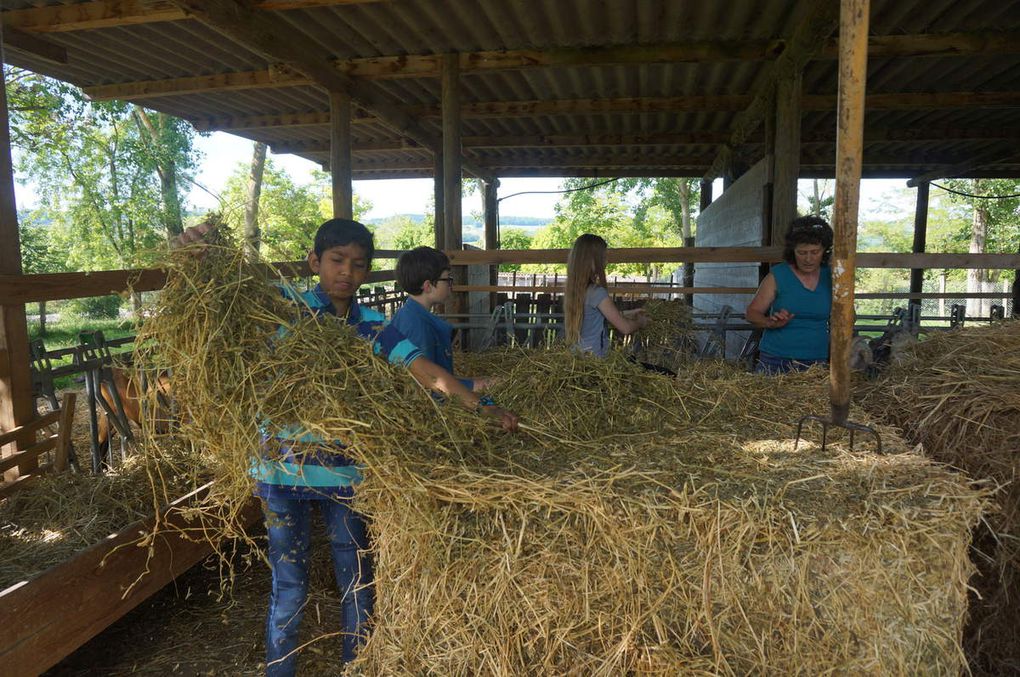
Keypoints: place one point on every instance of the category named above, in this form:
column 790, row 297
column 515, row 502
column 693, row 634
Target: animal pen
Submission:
column 758, row 94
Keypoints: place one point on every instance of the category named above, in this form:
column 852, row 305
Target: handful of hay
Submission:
column 638, row 524
column 668, row 340
column 958, row 394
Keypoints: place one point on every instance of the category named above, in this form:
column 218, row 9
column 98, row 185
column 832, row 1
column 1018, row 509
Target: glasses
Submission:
column 447, row 280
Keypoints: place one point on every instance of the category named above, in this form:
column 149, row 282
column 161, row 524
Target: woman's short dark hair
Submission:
column 808, row 230
column 418, row 265
column 341, row 232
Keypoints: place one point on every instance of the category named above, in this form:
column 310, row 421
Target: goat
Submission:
column 130, row 396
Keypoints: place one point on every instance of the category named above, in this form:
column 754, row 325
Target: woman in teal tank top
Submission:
column 793, row 302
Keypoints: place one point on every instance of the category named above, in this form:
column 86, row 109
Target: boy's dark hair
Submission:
column 808, row 230
column 340, row 232
column 418, row 265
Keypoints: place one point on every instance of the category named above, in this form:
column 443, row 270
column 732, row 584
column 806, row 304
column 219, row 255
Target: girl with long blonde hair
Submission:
column 587, row 304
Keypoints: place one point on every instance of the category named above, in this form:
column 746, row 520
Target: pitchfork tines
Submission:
column 838, row 422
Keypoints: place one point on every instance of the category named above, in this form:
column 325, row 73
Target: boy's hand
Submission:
column 193, row 235
column 507, row 419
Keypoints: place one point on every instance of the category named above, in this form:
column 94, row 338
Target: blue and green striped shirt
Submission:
column 317, row 468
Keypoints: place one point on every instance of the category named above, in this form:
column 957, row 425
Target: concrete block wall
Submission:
column 733, row 220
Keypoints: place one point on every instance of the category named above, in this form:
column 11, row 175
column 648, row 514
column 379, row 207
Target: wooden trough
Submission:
column 49, row 616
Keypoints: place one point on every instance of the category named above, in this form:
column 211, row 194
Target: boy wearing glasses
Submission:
column 424, row 274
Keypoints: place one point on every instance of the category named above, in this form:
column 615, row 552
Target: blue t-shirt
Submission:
column 298, row 469
column 432, row 334
column 806, row 336
column 594, row 336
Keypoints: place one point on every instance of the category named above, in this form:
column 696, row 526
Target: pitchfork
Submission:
column 853, row 56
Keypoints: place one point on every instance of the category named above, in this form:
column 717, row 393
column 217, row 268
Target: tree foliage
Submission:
column 289, row 213
column 626, row 213
column 108, row 174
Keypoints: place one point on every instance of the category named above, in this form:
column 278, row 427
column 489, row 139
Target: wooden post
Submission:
column 704, row 195
column 340, row 154
column 452, row 231
column 787, row 156
column 440, row 213
column 16, row 405
column 490, row 205
column 853, row 70
column 920, row 236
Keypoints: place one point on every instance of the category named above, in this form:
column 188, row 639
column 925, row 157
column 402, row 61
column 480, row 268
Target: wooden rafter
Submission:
column 808, row 38
column 281, row 42
column 475, row 63
column 113, row 13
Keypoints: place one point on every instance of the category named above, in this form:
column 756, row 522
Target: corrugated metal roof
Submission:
column 599, row 133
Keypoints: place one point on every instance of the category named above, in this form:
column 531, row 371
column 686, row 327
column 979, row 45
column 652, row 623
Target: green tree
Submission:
column 513, row 238
column 107, row 174
column 288, row 214
column 38, row 255
column 994, row 226
column 626, row 213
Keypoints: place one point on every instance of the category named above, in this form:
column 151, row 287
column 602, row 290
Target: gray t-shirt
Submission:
column 594, row 335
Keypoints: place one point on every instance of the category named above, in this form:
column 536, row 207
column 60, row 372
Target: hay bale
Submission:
column 47, row 522
column 639, row 524
column 958, row 394
column 693, row 539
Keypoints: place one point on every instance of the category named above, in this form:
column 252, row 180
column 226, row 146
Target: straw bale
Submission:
column 637, row 524
column 58, row 515
column 958, row 394
column 697, row 542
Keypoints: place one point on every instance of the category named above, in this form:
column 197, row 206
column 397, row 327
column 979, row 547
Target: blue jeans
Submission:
column 288, row 523
column 773, row 364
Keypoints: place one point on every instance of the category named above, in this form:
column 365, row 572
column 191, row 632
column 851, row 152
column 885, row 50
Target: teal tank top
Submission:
column 806, row 336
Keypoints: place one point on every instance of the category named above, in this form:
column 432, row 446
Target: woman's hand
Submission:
column 778, row 319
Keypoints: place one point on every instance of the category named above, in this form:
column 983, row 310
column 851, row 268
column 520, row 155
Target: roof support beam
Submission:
column 340, row 155
column 786, row 127
column 279, row 41
column 113, row 13
column 807, row 39
column 476, row 63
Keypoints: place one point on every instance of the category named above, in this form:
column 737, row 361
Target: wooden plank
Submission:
column 55, row 286
column 931, row 295
column 48, row 617
column 115, row 13
column 968, row 261
column 621, row 255
column 28, row 456
column 63, row 448
column 615, row 288
column 31, row 427
column 8, row 488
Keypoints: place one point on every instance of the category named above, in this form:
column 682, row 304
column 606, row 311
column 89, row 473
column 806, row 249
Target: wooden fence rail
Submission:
column 56, row 286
